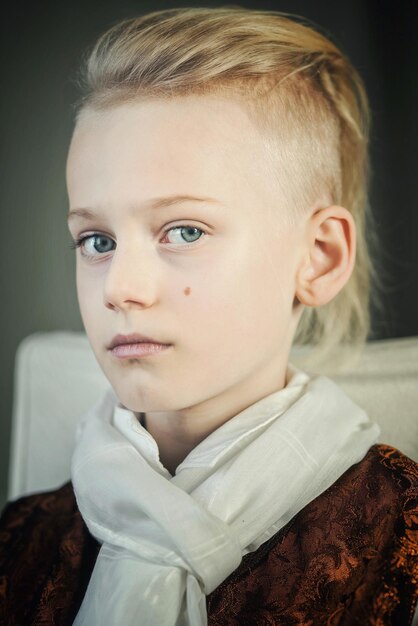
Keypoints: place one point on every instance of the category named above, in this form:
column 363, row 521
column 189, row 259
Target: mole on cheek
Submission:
column 187, row 291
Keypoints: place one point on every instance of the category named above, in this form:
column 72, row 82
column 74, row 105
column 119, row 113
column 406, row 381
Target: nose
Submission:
column 130, row 278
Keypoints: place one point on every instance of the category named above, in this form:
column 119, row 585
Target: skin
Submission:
column 229, row 303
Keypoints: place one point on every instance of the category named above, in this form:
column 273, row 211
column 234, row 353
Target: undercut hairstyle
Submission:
column 299, row 89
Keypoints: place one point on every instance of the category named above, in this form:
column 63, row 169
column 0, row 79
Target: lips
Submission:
column 119, row 340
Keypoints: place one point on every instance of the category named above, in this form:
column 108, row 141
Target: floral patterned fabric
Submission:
column 349, row 558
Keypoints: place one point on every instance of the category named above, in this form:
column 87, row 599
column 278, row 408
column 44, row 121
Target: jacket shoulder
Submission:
column 46, row 558
column 351, row 553
column 385, row 479
column 54, row 501
column 393, row 464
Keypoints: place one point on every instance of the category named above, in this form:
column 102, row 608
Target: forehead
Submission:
column 213, row 109
column 198, row 138
column 198, row 122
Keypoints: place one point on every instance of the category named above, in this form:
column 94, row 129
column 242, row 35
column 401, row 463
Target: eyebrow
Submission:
column 153, row 203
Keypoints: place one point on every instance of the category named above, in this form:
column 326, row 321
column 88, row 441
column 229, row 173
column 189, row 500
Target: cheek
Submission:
column 89, row 298
column 250, row 289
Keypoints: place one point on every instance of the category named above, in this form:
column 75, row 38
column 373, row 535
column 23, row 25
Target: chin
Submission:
column 137, row 402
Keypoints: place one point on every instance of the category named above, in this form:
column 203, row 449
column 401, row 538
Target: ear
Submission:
column 330, row 249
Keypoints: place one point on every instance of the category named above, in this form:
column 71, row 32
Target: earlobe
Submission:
column 330, row 249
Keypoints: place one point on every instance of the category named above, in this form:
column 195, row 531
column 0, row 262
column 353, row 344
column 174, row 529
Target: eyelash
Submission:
column 77, row 243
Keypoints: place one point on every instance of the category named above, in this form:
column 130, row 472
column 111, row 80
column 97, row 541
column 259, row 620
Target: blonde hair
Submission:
column 300, row 89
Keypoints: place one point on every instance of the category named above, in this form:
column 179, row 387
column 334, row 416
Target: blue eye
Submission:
column 186, row 232
column 98, row 242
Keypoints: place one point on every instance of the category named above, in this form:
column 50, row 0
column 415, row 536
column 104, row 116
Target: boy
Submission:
column 216, row 179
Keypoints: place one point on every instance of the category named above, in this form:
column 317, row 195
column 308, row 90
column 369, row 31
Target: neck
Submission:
column 177, row 433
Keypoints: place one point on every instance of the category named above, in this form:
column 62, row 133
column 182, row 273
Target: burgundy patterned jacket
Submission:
column 349, row 558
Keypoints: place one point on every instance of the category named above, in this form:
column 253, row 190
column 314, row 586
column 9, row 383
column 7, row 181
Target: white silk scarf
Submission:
column 168, row 541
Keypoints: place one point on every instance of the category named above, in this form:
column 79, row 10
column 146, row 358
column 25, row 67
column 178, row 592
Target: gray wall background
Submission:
column 42, row 44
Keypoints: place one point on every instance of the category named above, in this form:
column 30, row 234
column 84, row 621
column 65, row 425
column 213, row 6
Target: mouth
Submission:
column 138, row 350
column 136, row 346
column 134, row 338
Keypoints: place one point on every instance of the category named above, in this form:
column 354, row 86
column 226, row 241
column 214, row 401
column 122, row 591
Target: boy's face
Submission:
column 224, row 302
